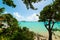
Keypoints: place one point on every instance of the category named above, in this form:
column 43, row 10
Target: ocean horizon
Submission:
column 37, row 27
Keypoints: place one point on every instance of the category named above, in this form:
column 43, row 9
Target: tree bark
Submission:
column 50, row 35
column 50, row 30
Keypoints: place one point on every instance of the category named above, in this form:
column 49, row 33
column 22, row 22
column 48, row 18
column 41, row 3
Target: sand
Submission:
column 54, row 37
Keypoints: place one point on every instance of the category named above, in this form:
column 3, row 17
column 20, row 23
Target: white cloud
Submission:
column 18, row 16
column 32, row 17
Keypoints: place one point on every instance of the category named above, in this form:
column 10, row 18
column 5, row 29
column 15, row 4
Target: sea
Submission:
column 37, row 27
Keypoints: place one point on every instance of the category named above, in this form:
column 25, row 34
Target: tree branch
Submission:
column 46, row 25
column 52, row 25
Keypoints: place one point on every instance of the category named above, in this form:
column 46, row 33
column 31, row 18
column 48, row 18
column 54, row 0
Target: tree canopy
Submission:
column 7, row 2
column 51, row 11
column 29, row 4
column 14, row 31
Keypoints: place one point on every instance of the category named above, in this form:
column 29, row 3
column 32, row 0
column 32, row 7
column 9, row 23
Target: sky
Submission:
column 21, row 13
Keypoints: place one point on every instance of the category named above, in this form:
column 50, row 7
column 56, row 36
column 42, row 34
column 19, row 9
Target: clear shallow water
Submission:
column 37, row 27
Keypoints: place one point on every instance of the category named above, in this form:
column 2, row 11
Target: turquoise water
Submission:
column 37, row 27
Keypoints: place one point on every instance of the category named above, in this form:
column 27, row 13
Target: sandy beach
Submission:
column 54, row 37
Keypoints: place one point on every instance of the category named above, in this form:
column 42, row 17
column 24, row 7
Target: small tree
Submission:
column 49, row 16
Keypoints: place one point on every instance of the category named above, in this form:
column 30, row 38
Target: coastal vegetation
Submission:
column 49, row 15
column 13, row 31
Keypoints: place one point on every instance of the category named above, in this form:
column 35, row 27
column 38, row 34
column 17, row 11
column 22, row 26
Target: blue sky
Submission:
column 21, row 13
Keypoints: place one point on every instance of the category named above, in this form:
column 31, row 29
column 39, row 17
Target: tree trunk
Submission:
column 50, row 35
